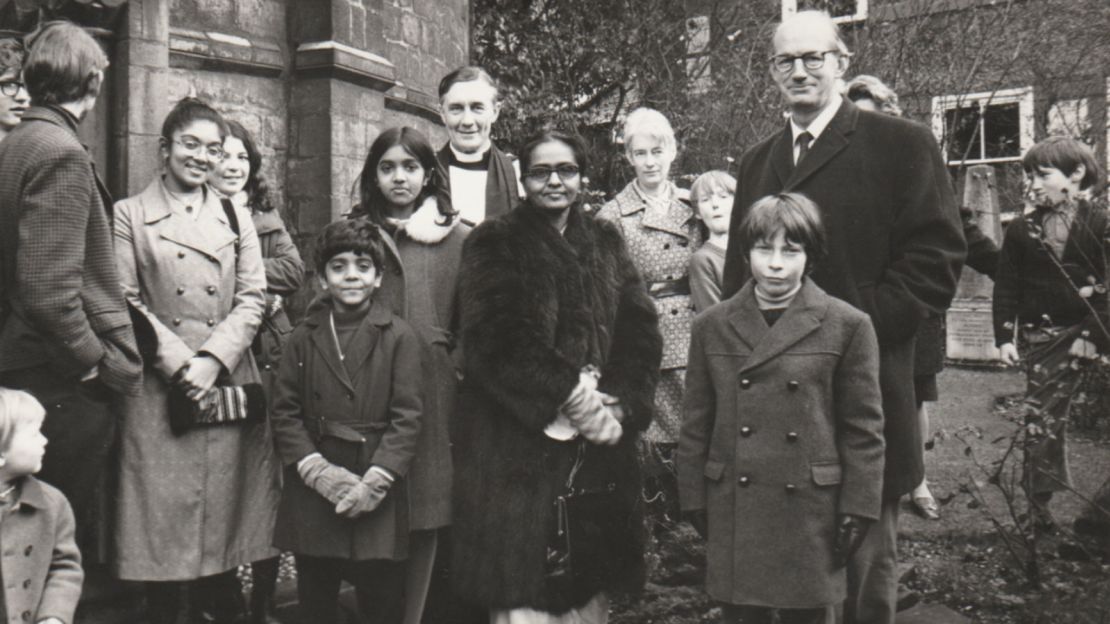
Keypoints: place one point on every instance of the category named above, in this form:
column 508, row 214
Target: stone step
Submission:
column 926, row 613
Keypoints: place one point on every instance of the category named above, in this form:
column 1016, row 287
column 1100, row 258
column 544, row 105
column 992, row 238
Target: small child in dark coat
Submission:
column 347, row 413
column 41, row 565
column 780, row 456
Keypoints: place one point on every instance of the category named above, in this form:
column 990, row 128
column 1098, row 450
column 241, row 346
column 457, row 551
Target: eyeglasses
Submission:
column 540, row 175
column 784, row 63
column 214, row 151
column 11, row 88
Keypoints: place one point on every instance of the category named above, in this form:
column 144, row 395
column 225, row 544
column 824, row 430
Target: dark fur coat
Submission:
column 535, row 308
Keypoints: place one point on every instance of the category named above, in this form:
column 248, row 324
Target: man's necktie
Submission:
column 803, row 142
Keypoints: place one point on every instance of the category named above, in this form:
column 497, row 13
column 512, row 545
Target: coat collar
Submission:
column 32, row 494
column 266, row 221
column 52, row 114
column 802, row 317
column 832, row 140
column 675, row 219
column 361, row 345
column 426, row 225
column 155, row 202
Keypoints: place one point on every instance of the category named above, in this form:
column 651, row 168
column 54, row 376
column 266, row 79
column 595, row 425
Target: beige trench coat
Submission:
column 203, row 502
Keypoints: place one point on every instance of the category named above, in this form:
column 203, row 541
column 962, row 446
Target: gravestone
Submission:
column 970, row 328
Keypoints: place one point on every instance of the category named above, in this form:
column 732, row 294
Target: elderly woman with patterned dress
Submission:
column 560, row 358
column 661, row 231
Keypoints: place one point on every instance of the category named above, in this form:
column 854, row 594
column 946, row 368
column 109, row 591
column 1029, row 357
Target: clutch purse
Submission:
column 221, row 406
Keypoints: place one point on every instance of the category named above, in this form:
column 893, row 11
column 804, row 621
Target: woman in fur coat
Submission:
column 561, row 353
column 397, row 192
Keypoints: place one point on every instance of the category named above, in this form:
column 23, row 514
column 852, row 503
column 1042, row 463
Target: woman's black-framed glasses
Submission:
column 10, row 88
column 215, row 151
column 540, row 175
column 784, row 63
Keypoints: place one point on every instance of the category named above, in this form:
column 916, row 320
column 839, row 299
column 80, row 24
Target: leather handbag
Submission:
column 587, row 516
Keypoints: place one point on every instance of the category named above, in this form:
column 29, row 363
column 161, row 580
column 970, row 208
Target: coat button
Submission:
column 684, row 243
column 211, row 290
column 180, row 290
column 27, row 584
column 26, row 615
column 744, row 481
column 350, row 396
column 674, row 311
column 210, row 322
column 27, row 551
column 177, row 321
column 666, row 246
column 745, row 383
column 791, row 385
column 791, row 488
column 181, row 254
column 745, row 431
column 792, row 436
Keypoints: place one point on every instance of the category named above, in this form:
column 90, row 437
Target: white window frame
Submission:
column 1023, row 96
column 790, row 7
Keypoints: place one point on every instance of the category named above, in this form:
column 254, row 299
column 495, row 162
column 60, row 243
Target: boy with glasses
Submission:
column 14, row 98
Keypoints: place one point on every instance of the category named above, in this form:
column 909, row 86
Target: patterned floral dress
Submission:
column 661, row 236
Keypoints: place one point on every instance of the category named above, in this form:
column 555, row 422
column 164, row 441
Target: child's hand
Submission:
column 1083, row 348
column 52, row 620
column 600, row 428
column 1009, row 354
column 366, row 496
column 328, row 480
column 850, row 531
column 613, row 404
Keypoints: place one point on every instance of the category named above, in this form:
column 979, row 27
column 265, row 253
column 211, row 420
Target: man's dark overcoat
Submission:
column 895, row 247
column 783, row 432
column 536, row 307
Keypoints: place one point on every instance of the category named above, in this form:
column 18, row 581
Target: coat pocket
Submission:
column 714, row 470
column 825, row 473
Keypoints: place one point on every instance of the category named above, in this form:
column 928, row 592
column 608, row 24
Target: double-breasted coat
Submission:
column 783, row 431
column 205, row 501
column 41, row 565
column 371, row 416
column 661, row 241
column 894, row 241
column 535, row 307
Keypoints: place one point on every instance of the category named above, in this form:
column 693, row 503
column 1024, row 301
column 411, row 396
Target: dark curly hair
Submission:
column 357, row 235
column 258, row 191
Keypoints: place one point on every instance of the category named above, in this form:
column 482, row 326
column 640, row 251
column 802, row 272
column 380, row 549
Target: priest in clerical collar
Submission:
column 480, row 180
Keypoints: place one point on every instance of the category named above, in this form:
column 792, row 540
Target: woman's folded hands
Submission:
column 596, row 415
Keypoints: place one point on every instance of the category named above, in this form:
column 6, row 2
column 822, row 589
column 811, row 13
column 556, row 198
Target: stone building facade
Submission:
column 314, row 81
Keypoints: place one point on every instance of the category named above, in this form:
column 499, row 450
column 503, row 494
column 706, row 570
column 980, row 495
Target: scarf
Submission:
column 502, row 194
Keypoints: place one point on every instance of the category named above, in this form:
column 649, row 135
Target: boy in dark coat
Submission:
column 780, row 458
column 347, row 414
column 1050, row 291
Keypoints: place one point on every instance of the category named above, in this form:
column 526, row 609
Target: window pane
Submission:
column 836, row 8
column 962, row 126
column 1002, row 127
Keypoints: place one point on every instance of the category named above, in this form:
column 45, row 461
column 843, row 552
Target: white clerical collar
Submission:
column 818, row 125
column 468, row 157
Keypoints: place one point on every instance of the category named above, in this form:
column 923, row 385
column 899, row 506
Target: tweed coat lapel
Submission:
column 831, row 142
column 801, row 318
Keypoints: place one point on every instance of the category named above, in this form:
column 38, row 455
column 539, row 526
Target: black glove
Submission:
column 699, row 519
column 850, row 531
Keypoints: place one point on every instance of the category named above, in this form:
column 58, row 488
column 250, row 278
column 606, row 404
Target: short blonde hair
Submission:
column 711, row 181
column 650, row 123
column 17, row 408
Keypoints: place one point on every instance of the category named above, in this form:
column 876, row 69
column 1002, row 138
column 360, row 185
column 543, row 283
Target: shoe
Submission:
column 926, row 507
column 907, row 599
